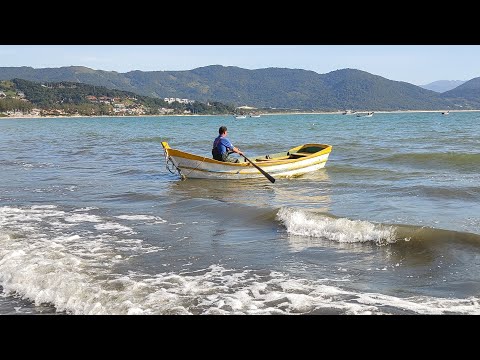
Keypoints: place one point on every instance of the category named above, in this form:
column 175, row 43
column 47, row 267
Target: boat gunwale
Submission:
column 264, row 163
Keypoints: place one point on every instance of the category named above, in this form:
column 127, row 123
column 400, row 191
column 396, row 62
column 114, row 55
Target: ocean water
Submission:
column 92, row 222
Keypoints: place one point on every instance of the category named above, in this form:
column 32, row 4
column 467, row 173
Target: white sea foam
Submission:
column 88, row 208
column 43, row 261
column 214, row 291
column 299, row 222
column 36, row 207
column 147, row 218
column 76, row 273
column 136, row 217
column 81, row 218
column 115, row 227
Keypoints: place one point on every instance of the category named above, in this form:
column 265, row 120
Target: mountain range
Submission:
column 266, row 88
column 441, row 86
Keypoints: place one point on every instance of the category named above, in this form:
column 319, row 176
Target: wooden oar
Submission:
column 264, row 173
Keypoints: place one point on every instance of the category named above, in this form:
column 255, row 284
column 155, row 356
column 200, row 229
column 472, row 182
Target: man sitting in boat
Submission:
column 222, row 147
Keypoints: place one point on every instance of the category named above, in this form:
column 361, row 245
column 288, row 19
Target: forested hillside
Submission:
column 76, row 98
column 263, row 88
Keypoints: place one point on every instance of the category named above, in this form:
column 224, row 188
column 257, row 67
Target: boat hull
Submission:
column 198, row 167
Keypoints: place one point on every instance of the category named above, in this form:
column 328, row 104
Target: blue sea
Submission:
column 92, row 221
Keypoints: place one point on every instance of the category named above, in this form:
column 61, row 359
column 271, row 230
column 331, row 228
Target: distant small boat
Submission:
column 445, row 112
column 240, row 116
column 370, row 114
column 254, row 116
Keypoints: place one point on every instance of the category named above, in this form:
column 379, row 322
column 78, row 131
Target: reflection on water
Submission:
column 246, row 192
column 312, row 190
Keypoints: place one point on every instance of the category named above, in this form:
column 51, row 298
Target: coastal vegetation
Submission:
column 270, row 88
column 73, row 98
column 468, row 93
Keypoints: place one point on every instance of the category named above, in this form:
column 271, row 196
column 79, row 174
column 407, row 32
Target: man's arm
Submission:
column 237, row 150
column 230, row 147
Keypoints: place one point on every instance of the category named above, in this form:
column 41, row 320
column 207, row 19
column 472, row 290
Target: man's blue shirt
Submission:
column 222, row 144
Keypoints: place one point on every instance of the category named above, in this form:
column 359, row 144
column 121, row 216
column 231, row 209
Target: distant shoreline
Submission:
column 365, row 111
column 264, row 114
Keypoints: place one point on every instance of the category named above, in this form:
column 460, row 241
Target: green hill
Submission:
column 69, row 97
column 467, row 95
column 440, row 86
column 265, row 88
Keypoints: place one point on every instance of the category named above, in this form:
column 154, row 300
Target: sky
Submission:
column 416, row 64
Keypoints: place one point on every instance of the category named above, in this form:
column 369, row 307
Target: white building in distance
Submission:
column 181, row 101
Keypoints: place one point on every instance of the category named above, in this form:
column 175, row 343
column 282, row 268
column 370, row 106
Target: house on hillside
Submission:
column 180, row 101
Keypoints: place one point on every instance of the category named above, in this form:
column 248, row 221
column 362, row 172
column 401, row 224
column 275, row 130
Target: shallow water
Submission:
column 91, row 222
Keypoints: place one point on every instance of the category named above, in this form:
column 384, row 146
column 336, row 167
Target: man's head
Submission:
column 222, row 130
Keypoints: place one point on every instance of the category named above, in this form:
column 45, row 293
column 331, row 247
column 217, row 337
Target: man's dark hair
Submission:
column 222, row 130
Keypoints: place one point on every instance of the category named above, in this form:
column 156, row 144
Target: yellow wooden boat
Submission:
column 294, row 162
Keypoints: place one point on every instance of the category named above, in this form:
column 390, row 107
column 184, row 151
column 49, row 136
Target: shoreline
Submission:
column 365, row 111
column 264, row 114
